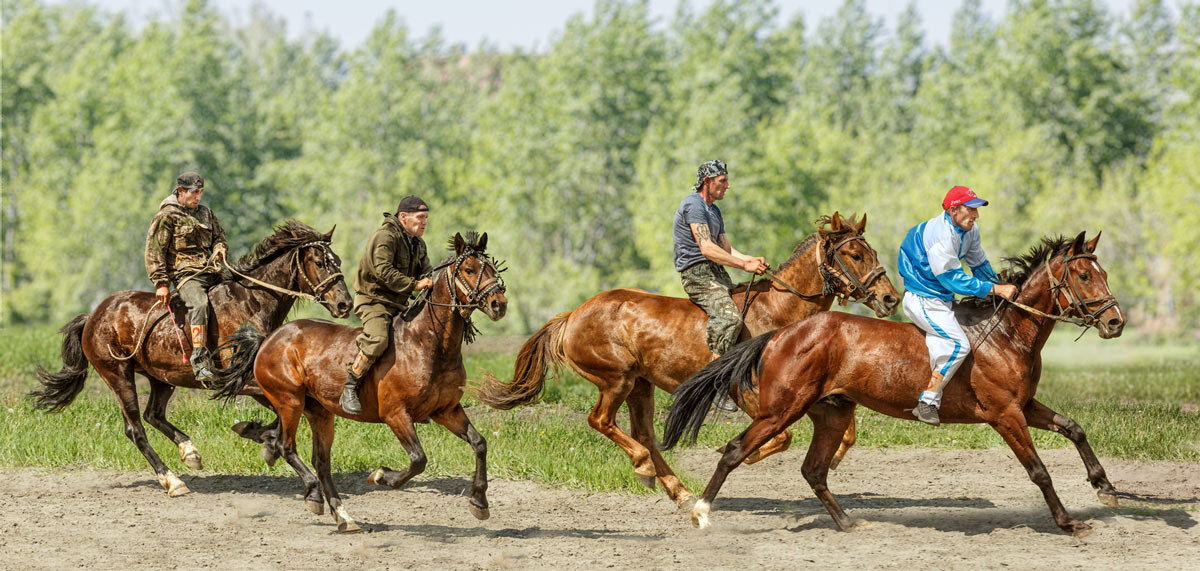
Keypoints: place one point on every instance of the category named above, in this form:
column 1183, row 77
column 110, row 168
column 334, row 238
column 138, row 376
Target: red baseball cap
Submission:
column 964, row 196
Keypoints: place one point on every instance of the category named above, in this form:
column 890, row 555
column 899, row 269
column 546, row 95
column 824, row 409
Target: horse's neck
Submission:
column 267, row 308
column 446, row 327
column 1028, row 333
column 778, row 307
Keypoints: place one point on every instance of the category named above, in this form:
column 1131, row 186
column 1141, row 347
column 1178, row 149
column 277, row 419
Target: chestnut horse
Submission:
column 130, row 333
column 301, row 369
column 628, row 341
column 840, row 359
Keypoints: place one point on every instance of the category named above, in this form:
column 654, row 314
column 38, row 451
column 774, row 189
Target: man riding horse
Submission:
column 931, row 259
column 182, row 246
column 389, row 271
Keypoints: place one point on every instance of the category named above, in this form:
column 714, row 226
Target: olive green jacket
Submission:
column 390, row 266
column 181, row 241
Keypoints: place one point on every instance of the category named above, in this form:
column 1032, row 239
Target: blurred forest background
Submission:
column 573, row 158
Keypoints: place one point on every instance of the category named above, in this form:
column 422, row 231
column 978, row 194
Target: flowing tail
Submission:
column 231, row 379
column 695, row 397
column 545, row 348
column 60, row 389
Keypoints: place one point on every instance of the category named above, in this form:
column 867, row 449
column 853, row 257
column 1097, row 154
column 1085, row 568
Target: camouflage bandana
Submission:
column 708, row 170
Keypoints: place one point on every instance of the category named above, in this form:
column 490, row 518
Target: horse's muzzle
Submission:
column 496, row 308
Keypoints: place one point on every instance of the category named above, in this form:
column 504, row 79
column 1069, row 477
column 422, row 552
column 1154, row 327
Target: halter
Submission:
column 317, row 290
column 852, row 285
column 1075, row 302
column 475, row 293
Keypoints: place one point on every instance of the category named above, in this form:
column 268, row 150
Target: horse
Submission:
column 130, row 333
column 628, row 341
column 301, row 370
column 839, row 359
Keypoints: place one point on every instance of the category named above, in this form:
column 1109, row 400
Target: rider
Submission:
column 390, row 270
column 702, row 247
column 182, row 245
column 931, row 259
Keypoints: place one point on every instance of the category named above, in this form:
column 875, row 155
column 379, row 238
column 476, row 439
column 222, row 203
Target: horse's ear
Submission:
column 329, row 235
column 1091, row 245
column 1078, row 245
column 835, row 223
column 862, row 224
column 483, row 242
column 459, row 243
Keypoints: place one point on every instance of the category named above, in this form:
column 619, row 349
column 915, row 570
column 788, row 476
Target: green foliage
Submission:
column 575, row 156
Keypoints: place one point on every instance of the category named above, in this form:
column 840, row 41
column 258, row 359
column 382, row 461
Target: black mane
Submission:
column 973, row 310
column 288, row 235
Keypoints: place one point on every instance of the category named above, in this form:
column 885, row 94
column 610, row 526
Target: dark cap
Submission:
column 708, row 170
column 190, row 180
column 411, row 203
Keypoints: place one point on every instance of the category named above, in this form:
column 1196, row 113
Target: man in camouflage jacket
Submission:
column 389, row 271
column 182, row 245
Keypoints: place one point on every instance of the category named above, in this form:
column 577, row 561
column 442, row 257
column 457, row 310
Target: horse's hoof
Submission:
column 189, row 455
column 700, row 514
column 1109, row 500
column 174, row 486
column 833, row 464
column 240, row 428
column 1082, row 530
column 269, row 455
column 686, row 502
column 376, row 477
column 314, row 506
column 479, row 513
column 752, row 458
column 348, row 526
column 647, row 481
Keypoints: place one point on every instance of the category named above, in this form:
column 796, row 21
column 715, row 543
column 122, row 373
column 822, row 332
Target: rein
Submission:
column 1075, row 302
column 857, row 286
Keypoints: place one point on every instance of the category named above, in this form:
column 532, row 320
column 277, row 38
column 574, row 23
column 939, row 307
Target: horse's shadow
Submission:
column 448, row 534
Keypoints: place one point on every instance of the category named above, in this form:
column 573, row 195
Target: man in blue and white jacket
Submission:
column 931, row 262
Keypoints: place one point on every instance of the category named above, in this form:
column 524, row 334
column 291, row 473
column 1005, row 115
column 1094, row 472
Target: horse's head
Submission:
column 853, row 265
column 321, row 275
column 1080, row 288
column 476, row 277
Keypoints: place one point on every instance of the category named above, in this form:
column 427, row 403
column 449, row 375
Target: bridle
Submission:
column 1076, row 303
column 474, row 293
column 297, row 274
column 850, row 285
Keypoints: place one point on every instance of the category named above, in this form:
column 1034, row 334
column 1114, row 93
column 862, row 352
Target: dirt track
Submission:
column 937, row 509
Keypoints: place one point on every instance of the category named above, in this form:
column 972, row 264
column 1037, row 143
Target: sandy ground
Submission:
column 929, row 508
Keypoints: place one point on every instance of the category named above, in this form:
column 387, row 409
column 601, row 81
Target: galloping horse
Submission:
column 628, row 341
column 840, row 359
column 301, row 370
column 130, row 333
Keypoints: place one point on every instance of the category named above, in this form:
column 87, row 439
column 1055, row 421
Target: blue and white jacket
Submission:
column 931, row 259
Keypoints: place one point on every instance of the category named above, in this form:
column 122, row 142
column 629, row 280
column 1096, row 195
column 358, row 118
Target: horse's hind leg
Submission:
column 289, row 417
column 120, row 379
column 156, row 415
column 402, row 426
column 321, row 422
column 603, row 419
column 829, row 424
column 1040, row 416
column 1012, row 427
column 758, row 433
column 781, row 441
column 849, row 437
column 641, row 425
column 455, row 420
column 267, row 434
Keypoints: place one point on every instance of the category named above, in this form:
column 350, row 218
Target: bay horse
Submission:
column 301, row 369
column 840, row 359
column 130, row 333
column 628, row 341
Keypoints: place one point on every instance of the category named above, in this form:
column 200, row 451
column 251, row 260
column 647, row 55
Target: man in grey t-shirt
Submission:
column 702, row 248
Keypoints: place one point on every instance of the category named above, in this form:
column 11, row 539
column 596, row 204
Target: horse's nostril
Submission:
column 1114, row 323
column 889, row 299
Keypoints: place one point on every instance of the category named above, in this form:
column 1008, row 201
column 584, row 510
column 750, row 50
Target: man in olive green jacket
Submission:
column 182, row 246
column 389, row 271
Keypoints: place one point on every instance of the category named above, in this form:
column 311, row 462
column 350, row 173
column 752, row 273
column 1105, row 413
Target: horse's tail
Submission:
column 245, row 343
column 696, row 395
column 60, row 389
column 545, row 348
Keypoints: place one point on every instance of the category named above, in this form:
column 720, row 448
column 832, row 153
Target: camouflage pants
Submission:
column 194, row 293
column 707, row 285
column 376, row 319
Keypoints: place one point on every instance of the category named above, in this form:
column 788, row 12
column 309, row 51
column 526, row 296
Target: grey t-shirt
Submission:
column 693, row 210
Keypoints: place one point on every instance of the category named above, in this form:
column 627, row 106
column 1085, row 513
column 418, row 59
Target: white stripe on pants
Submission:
column 945, row 338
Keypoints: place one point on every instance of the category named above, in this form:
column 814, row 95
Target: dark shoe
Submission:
column 349, row 401
column 725, row 403
column 202, row 365
column 927, row 413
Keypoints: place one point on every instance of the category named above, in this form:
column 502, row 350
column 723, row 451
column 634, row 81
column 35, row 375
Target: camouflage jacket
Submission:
column 180, row 241
column 391, row 265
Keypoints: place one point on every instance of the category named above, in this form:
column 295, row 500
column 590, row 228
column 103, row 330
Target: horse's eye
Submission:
column 856, row 257
column 1084, row 276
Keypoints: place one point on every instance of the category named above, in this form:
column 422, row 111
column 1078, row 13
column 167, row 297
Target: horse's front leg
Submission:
column 1041, row 416
column 402, row 426
column 455, row 420
column 156, row 415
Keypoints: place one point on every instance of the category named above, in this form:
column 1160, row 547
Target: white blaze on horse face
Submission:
column 1099, row 272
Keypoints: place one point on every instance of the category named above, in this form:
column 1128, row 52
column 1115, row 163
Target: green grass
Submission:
column 1126, row 396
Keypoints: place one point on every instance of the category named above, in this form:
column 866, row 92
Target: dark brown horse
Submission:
column 130, row 333
column 627, row 341
column 838, row 359
column 302, row 366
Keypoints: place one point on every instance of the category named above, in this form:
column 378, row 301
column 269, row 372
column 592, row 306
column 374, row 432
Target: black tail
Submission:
column 60, row 389
column 231, row 379
column 695, row 396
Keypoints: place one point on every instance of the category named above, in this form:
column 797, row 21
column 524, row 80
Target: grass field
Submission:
column 1135, row 401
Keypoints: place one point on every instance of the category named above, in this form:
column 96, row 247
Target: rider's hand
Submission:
column 755, row 266
column 219, row 252
column 1006, row 291
column 161, row 294
column 423, row 283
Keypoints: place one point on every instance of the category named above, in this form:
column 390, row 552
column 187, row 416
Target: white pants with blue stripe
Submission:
column 945, row 338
